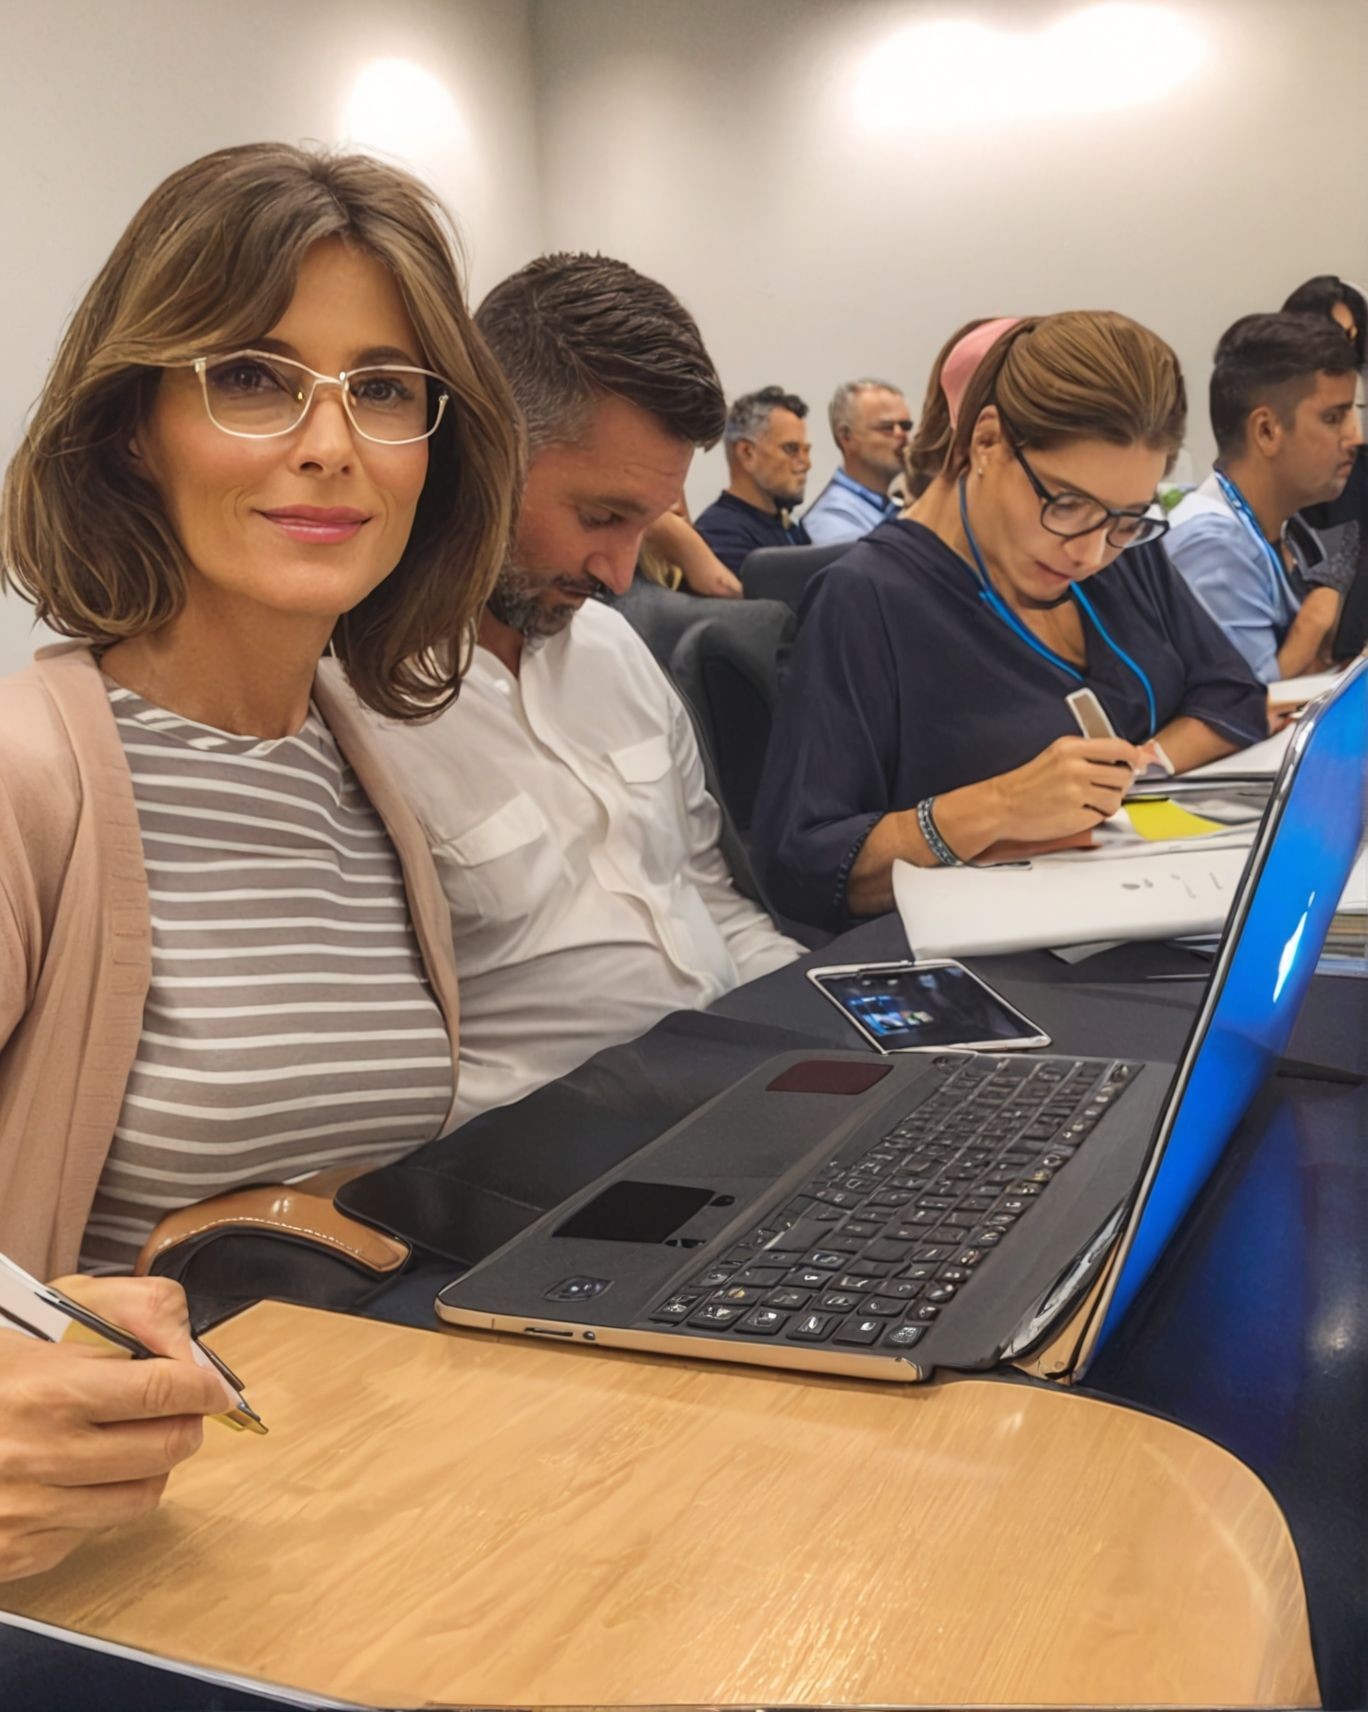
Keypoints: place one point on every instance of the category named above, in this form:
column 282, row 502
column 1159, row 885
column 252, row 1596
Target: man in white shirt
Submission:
column 563, row 793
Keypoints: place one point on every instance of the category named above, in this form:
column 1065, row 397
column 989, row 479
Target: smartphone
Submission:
column 1089, row 714
column 1091, row 719
column 925, row 1007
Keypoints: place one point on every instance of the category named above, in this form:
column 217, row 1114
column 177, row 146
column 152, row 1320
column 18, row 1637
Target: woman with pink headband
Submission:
column 924, row 714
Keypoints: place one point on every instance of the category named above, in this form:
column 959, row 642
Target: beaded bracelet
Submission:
column 931, row 833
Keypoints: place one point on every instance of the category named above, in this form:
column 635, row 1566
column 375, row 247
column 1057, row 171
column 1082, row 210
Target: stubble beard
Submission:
column 518, row 599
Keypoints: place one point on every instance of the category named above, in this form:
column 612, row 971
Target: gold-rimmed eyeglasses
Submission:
column 257, row 395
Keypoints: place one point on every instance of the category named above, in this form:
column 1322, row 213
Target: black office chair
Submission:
column 726, row 667
column 660, row 616
column 782, row 573
column 1351, row 637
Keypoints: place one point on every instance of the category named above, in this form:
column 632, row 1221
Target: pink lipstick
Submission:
column 324, row 526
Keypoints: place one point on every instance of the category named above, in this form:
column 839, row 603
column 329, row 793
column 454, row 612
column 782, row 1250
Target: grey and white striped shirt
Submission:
column 289, row 1025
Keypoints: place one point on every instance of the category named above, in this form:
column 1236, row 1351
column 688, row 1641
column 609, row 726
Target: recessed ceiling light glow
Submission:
column 400, row 109
column 959, row 73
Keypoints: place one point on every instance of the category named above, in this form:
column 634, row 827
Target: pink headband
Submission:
column 958, row 369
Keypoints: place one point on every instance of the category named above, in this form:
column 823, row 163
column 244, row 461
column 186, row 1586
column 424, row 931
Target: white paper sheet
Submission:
column 1299, row 690
column 1355, row 899
column 1068, row 899
column 198, row 1673
column 1263, row 758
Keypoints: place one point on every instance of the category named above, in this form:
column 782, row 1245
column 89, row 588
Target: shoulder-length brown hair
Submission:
column 209, row 262
column 1083, row 375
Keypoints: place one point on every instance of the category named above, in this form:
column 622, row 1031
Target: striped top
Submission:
column 289, row 1024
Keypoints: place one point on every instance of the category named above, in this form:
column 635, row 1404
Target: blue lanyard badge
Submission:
column 995, row 603
column 879, row 502
column 1245, row 512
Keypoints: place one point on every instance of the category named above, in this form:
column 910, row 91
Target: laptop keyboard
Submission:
column 874, row 1249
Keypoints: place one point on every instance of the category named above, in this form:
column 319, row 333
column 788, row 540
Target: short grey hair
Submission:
column 839, row 410
column 749, row 415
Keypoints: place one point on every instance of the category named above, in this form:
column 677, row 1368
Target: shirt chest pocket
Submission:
column 503, row 867
column 641, row 763
column 654, row 821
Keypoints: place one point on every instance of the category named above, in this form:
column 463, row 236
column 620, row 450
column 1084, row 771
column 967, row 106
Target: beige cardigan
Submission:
column 75, row 938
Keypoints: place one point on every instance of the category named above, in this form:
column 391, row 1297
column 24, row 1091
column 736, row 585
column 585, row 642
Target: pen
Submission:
column 103, row 1328
column 241, row 1416
column 24, row 1326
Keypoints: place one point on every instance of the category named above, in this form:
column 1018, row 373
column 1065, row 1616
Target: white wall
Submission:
column 723, row 146
column 100, row 99
column 726, row 146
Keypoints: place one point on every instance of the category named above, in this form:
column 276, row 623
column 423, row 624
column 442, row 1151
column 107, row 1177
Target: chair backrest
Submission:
column 1351, row 637
column 726, row 667
column 782, row 573
column 660, row 616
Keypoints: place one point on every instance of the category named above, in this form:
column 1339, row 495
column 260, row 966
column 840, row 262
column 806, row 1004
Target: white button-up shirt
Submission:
column 578, row 849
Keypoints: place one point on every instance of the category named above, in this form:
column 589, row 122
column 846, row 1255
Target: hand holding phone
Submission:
column 1092, row 721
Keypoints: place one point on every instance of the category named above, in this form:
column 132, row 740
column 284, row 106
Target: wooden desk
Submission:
column 456, row 1518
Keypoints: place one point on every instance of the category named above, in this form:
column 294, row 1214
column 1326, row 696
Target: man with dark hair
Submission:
column 768, row 459
column 1282, row 410
column 1342, row 523
column 563, row 794
column 871, row 425
column 1329, row 295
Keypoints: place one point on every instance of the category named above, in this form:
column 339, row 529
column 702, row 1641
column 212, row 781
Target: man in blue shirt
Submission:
column 768, row 459
column 1282, row 409
column 870, row 423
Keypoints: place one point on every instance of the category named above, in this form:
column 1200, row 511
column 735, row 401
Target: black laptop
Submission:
column 842, row 1212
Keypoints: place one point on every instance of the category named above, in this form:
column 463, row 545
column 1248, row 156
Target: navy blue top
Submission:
column 733, row 528
column 904, row 684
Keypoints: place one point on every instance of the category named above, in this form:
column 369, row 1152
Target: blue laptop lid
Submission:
column 1291, row 887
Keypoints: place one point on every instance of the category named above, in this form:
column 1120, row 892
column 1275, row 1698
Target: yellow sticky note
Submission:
column 1161, row 819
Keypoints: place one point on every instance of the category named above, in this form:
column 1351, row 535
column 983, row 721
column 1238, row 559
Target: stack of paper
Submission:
column 1347, row 939
column 1296, row 692
column 1070, row 899
column 1262, row 758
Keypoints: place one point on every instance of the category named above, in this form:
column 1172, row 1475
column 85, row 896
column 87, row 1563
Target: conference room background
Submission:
column 830, row 187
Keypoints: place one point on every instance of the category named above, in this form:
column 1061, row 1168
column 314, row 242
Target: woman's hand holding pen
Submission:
column 1067, row 788
column 87, row 1442
column 1050, row 803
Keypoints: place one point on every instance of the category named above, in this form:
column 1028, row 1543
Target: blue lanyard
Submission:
column 1245, row 512
column 994, row 601
column 879, row 502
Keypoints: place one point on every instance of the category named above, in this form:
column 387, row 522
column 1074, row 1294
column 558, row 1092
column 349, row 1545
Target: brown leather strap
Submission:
column 303, row 1210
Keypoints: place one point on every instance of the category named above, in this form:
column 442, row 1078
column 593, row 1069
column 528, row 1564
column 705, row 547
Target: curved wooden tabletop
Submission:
column 460, row 1518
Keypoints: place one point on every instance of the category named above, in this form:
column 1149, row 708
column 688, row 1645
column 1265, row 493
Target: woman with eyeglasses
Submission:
column 225, row 958
column 924, row 715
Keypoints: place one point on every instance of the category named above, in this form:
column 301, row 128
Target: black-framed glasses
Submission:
column 1071, row 515
column 892, row 426
column 256, row 395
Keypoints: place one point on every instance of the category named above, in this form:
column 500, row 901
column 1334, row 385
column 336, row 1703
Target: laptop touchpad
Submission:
column 636, row 1212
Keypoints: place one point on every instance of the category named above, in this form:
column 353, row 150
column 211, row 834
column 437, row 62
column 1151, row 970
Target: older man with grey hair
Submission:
column 768, row 459
column 870, row 424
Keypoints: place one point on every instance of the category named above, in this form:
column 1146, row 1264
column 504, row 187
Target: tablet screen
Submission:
column 909, row 1007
